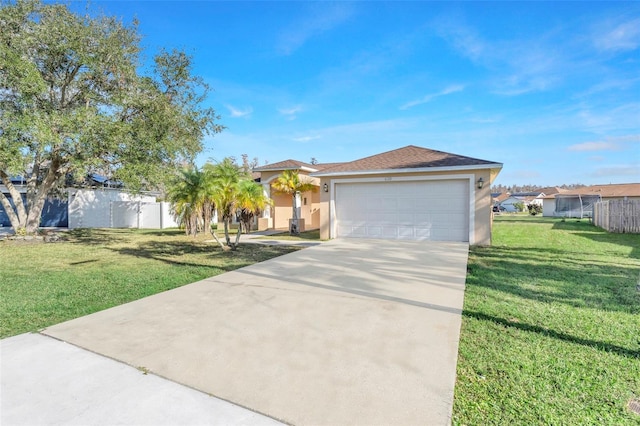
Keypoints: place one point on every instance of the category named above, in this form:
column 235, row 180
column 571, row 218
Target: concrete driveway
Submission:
column 348, row 332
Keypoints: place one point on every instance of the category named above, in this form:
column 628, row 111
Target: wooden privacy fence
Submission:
column 621, row 216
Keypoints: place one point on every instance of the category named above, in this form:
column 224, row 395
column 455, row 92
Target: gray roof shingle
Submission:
column 408, row 157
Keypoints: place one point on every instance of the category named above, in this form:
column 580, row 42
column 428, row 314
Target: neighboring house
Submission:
column 498, row 197
column 579, row 202
column 508, row 200
column 509, row 203
column 409, row 193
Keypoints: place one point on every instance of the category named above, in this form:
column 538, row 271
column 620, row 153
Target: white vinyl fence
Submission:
column 620, row 216
column 110, row 208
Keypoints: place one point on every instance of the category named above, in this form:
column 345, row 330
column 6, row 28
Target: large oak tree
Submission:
column 73, row 101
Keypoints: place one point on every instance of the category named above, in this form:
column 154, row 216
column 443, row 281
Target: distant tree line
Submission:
column 530, row 187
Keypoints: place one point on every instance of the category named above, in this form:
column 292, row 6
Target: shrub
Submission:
column 534, row 209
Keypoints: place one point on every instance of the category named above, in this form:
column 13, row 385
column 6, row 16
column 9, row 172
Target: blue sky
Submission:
column 552, row 90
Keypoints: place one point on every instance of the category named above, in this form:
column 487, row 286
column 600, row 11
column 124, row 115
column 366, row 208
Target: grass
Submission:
column 46, row 283
column 551, row 326
column 313, row 235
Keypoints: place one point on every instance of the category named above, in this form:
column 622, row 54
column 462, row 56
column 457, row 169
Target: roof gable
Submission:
column 286, row 165
column 409, row 157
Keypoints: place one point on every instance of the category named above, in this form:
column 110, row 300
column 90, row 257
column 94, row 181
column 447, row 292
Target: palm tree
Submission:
column 251, row 202
column 289, row 182
column 190, row 201
column 226, row 177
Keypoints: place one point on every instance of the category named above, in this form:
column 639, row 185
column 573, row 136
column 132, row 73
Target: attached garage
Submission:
column 410, row 193
column 410, row 209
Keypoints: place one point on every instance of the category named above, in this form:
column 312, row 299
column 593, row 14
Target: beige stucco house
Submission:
column 409, row 193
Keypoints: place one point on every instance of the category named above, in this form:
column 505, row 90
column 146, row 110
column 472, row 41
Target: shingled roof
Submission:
column 286, row 165
column 610, row 190
column 295, row 165
column 409, row 157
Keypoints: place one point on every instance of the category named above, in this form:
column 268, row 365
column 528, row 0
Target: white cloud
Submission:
column 486, row 120
column 608, row 119
column 237, row 112
column 594, row 146
column 618, row 36
column 324, row 17
column 427, row 98
column 462, row 37
column 613, row 143
column 306, row 138
column 292, row 112
column 519, row 66
column 623, row 84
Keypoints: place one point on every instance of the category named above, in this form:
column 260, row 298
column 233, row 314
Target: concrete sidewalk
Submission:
column 48, row 382
column 356, row 332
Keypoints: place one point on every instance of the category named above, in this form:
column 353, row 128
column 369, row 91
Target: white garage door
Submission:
column 409, row 210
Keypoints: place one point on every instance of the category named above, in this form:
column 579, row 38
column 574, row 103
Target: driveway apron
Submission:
column 349, row 332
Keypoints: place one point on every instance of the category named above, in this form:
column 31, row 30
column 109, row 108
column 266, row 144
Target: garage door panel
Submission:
column 375, row 231
column 423, row 233
column 416, row 210
column 405, row 233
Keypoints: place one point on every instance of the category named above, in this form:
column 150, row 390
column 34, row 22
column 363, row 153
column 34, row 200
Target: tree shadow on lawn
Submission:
column 603, row 346
column 170, row 232
column 547, row 275
column 95, row 236
column 173, row 252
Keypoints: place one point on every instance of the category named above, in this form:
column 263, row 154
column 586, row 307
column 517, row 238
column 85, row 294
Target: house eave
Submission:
column 275, row 169
column 409, row 170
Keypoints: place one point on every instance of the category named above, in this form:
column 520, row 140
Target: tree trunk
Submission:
column 293, row 228
column 226, row 221
column 215, row 237
column 36, row 196
column 18, row 214
column 235, row 245
column 13, row 217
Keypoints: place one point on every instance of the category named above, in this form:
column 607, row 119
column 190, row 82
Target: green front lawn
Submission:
column 551, row 326
column 46, row 283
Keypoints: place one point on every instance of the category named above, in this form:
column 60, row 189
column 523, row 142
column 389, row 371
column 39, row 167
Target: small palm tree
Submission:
column 289, row 182
column 251, row 202
column 226, row 177
column 191, row 201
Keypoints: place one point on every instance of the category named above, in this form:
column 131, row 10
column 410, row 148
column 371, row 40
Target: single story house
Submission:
column 508, row 200
column 409, row 193
column 508, row 204
column 579, row 202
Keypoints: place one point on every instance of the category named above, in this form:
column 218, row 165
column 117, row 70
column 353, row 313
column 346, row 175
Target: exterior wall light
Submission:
column 480, row 183
column 325, row 187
